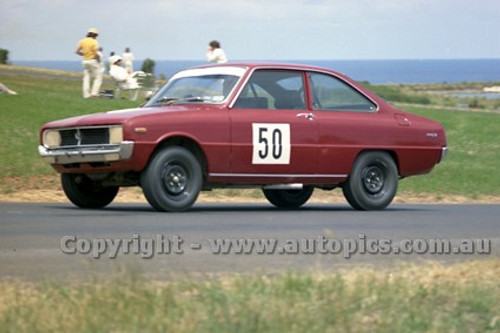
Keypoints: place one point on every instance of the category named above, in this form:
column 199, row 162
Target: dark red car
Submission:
column 287, row 129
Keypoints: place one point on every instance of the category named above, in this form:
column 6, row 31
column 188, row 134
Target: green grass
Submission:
column 398, row 94
column 420, row 298
column 40, row 100
column 437, row 94
column 469, row 169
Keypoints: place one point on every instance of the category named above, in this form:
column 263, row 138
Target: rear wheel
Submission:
column 86, row 193
column 172, row 180
column 288, row 198
column 373, row 181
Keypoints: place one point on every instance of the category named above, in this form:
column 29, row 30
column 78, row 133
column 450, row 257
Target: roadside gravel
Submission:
column 134, row 195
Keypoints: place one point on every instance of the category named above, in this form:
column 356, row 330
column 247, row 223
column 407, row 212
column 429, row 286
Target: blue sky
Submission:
column 255, row 29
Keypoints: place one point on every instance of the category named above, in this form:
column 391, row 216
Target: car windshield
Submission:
column 203, row 85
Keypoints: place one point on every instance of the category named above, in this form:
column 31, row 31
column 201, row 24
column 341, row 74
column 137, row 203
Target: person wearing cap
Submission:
column 88, row 49
column 125, row 80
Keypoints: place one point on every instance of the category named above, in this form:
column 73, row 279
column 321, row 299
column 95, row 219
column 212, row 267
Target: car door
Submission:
column 273, row 135
column 348, row 122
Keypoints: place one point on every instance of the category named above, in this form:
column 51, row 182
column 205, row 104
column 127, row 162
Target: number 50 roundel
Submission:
column 271, row 143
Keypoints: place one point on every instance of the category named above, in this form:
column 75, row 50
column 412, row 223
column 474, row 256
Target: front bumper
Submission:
column 87, row 154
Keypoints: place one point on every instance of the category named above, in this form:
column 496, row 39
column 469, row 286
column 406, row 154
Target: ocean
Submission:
column 373, row 71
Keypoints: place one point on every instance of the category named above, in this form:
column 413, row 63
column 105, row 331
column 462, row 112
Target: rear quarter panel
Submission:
column 416, row 145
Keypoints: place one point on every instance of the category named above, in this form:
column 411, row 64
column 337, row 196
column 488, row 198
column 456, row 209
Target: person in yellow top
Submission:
column 88, row 49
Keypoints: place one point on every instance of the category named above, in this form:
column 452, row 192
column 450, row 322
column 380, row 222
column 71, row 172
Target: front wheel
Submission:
column 288, row 198
column 373, row 181
column 86, row 193
column 172, row 180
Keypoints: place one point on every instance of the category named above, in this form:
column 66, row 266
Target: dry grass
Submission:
column 47, row 189
column 428, row 297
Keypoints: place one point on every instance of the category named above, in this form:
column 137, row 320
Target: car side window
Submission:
column 273, row 89
column 331, row 93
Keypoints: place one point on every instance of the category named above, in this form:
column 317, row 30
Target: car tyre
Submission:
column 172, row 180
column 288, row 198
column 373, row 181
column 86, row 193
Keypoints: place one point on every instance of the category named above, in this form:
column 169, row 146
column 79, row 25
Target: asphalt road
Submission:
column 60, row 241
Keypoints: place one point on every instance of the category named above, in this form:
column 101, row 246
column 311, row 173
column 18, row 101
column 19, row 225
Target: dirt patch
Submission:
column 35, row 192
column 47, row 188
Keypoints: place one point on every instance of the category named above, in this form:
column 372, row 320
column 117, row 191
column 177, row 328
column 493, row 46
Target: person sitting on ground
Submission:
column 120, row 75
column 5, row 89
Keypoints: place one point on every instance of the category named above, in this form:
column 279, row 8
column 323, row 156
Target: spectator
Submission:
column 88, row 49
column 5, row 89
column 215, row 54
column 121, row 75
column 128, row 60
column 108, row 64
column 101, row 61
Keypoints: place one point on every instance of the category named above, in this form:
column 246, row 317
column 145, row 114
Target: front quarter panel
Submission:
column 208, row 127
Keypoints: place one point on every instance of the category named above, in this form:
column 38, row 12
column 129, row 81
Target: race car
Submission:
column 287, row 129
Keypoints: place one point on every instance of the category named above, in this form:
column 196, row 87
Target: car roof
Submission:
column 273, row 65
column 250, row 66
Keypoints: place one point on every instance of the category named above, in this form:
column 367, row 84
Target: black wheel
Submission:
column 86, row 193
column 373, row 181
column 172, row 180
column 289, row 198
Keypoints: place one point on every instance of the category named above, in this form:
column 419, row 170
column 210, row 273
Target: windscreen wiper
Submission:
column 173, row 100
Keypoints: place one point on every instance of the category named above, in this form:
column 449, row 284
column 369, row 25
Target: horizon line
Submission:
column 281, row 60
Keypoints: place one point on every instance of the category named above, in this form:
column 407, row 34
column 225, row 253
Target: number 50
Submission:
column 271, row 143
column 276, row 143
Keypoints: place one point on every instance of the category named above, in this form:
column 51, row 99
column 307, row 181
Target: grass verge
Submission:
column 42, row 98
column 474, row 154
column 428, row 297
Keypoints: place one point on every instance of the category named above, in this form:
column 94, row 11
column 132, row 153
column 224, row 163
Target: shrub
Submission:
column 4, row 56
column 148, row 66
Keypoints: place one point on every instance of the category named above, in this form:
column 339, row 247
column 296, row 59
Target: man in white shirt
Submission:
column 125, row 80
column 215, row 54
column 128, row 60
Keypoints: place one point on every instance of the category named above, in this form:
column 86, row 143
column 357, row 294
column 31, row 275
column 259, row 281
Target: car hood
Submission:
column 119, row 116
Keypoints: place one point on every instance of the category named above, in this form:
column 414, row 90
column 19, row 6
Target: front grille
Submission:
column 68, row 137
column 84, row 136
column 93, row 136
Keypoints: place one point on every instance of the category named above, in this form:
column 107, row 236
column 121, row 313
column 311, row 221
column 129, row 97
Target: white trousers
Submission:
column 91, row 71
column 130, row 83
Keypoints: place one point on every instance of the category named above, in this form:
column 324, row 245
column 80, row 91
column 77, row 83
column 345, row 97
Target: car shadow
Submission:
column 243, row 207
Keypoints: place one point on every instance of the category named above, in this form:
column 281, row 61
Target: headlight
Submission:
column 51, row 138
column 115, row 135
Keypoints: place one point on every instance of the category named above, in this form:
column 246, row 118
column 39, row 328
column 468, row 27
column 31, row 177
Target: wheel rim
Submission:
column 175, row 178
column 373, row 179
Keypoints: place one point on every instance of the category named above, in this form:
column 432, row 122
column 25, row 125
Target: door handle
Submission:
column 309, row 116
